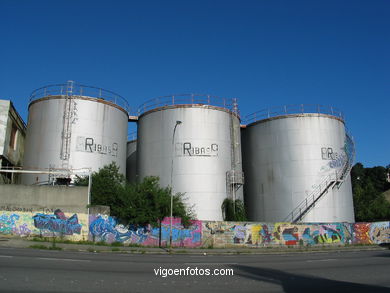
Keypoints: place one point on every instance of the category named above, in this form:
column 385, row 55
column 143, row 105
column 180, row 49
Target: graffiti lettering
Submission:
column 15, row 209
column 57, row 222
column 105, row 228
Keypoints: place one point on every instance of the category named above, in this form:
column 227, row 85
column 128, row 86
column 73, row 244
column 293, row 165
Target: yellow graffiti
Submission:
column 256, row 237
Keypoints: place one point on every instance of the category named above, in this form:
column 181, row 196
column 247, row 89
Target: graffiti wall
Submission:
column 57, row 223
column 228, row 234
column 107, row 229
column 78, row 226
column 371, row 233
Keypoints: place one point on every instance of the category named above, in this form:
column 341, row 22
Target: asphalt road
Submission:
column 29, row 270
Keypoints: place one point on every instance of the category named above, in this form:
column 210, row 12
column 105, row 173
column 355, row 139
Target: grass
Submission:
column 67, row 241
column 135, row 245
column 40, row 246
column 115, row 249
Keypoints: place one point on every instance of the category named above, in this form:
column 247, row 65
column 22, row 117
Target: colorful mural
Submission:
column 57, row 222
column 12, row 223
column 106, row 228
column 380, row 232
column 371, row 233
column 223, row 234
column 360, row 233
column 198, row 234
column 41, row 224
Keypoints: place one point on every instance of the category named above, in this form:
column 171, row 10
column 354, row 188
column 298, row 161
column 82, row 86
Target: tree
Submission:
column 147, row 202
column 233, row 210
column 107, row 183
column 368, row 185
column 137, row 203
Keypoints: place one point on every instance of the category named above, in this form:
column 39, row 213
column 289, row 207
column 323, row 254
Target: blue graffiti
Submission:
column 7, row 223
column 307, row 237
column 57, row 222
column 265, row 234
column 105, row 227
column 338, row 162
column 177, row 234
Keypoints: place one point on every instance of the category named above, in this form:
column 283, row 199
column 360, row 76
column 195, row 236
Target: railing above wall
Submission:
column 72, row 88
column 292, row 109
column 189, row 99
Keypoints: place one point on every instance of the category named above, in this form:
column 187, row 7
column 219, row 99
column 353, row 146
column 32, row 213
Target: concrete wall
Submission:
column 240, row 234
column 62, row 212
column 44, row 211
column 44, row 198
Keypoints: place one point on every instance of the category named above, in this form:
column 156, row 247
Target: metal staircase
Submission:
column 334, row 180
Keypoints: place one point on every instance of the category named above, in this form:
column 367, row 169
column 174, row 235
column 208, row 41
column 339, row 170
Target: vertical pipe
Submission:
column 173, row 149
column 89, row 189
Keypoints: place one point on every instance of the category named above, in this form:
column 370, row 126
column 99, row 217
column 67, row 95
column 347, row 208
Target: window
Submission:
column 12, row 141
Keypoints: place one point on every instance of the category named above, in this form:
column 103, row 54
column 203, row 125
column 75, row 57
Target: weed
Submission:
column 39, row 246
column 134, row 245
column 55, row 248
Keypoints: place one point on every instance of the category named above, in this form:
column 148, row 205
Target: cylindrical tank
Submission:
column 192, row 143
column 71, row 126
column 297, row 161
column 131, row 161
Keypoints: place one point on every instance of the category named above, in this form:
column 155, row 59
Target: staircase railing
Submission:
column 330, row 181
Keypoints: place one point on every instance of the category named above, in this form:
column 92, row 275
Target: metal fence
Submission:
column 189, row 99
column 292, row 109
column 74, row 89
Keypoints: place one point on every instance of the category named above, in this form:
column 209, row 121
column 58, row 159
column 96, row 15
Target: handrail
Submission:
column 292, row 109
column 338, row 177
column 72, row 88
column 189, row 99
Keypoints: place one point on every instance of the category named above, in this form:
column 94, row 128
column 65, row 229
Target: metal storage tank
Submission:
column 297, row 162
column 131, row 161
column 192, row 143
column 72, row 126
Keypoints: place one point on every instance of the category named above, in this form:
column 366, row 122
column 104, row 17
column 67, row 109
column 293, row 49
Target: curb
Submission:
column 25, row 243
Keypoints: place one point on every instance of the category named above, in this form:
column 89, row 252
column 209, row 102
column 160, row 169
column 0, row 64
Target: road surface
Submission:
column 31, row 270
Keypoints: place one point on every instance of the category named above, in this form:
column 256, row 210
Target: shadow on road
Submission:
column 300, row 283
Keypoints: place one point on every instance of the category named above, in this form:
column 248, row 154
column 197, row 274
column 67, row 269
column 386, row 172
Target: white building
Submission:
column 12, row 136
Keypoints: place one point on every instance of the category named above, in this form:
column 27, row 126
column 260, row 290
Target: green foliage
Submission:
column 233, row 210
column 106, row 184
column 368, row 185
column 147, row 202
column 141, row 203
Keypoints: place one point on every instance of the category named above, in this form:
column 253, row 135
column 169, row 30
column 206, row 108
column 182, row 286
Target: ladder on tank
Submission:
column 331, row 181
column 234, row 177
column 67, row 121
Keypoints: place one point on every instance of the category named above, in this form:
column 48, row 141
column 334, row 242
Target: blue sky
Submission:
column 265, row 53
